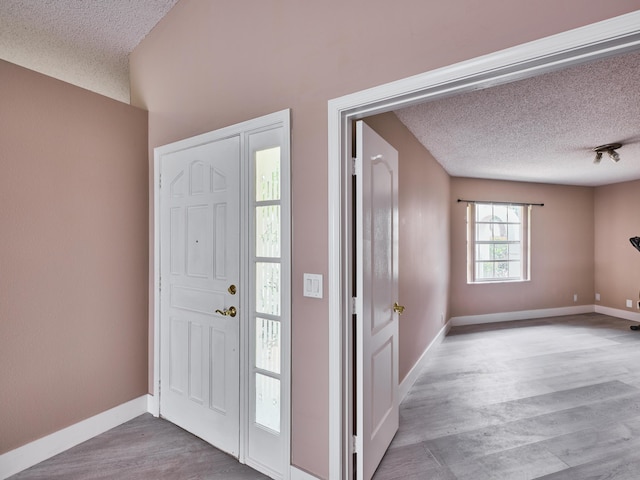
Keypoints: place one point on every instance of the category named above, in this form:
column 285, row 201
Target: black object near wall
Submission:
column 635, row 241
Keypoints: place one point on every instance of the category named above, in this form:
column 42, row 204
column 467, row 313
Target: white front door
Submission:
column 377, row 402
column 199, row 291
column 223, row 289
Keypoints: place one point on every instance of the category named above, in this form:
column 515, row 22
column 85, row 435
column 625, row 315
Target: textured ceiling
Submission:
column 541, row 129
column 83, row 42
column 538, row 130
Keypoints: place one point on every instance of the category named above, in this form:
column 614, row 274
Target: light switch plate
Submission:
column 312, row 285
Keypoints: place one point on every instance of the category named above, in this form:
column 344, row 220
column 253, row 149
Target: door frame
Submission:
column 243, row 129
column 606, row 38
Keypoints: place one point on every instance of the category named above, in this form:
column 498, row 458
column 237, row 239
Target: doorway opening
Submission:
column 611, row 37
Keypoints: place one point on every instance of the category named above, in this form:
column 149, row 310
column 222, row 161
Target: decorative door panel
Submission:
column 200, row 231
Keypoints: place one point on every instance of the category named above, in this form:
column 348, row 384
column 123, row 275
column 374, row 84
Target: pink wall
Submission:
column 561, row 248
column 617, row 263
column 423, row 205
column 73, row 256
column 211, row 64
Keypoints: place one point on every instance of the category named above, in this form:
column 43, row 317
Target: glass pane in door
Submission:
column 268, row 174
column 268, row 402
column 268, row 345
column 268, row 231
column 268, row 288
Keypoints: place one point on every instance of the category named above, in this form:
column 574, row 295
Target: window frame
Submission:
column 472, row 242
column 263, row 438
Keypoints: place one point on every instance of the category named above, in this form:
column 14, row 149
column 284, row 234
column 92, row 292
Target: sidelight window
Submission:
column 270, row 307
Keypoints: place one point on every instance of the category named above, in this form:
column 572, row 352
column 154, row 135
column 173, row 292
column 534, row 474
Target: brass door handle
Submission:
column 231, row 312
column 399, row 309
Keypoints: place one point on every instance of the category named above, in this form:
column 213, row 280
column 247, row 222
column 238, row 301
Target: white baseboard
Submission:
column 521, row 315
column 297, row 474
column 153, row 406
column 46, row 447
column 614, row 312
column 411, row 377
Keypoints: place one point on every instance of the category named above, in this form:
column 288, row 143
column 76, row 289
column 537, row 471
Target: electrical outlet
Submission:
column 629, row 304
column 597, row 297
column 575, row 297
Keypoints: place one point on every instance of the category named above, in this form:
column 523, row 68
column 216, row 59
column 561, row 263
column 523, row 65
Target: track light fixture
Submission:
column 615, row 156
column 610, row 149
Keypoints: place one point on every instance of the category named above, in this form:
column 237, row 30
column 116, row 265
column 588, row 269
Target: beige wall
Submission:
column 211, row 64
column 73, row 255
column 617, row 263
column 561, row 248
column 423, row 205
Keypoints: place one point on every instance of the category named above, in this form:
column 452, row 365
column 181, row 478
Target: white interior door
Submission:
column 377, row 292
column 199, row 290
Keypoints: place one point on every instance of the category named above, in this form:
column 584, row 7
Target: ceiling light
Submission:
column 598, row 157
column 610, row 149
column 615, row 156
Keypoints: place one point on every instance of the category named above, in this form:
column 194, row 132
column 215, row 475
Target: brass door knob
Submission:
column 399, row 309
column 231, row 312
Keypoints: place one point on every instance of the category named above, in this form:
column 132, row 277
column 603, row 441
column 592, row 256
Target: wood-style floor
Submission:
column 553, row 398
column 145, row 448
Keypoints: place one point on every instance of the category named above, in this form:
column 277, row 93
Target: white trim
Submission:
column 153, row 406
column 336, row 299
column 410, row 379
column 614, row 312
column 609, row 37
column 297, row 474
column 280, row 122
column 156, row 282
column 46, row 447
column 520, row 315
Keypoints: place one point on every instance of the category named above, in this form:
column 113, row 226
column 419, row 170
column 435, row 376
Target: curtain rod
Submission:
column 502, row 203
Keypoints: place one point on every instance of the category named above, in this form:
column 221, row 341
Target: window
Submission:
column 268, row 298
column 268, row 313
column 498, row 242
